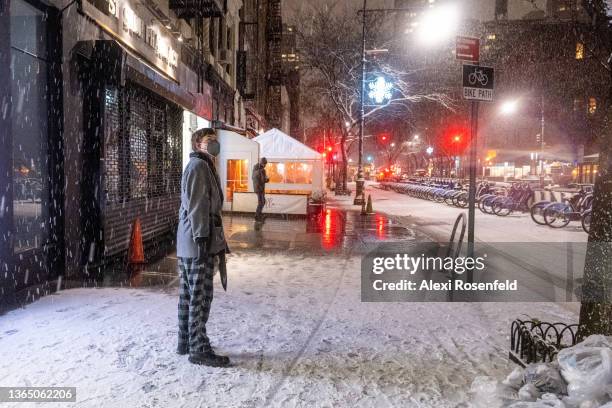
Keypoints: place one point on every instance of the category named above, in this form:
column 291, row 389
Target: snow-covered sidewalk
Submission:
column 296, row 331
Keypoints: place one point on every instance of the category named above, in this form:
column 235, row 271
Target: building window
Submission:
column 579, row 51
column 578, row 104
column 211, row 37
column 220, row 33
column 592, row 106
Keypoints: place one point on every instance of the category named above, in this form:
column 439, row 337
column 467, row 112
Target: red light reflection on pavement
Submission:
column 329, row 235
column 380, row 224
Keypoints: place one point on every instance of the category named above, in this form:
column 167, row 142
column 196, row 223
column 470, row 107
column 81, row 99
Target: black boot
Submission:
column 209, row 359
column 182, row 350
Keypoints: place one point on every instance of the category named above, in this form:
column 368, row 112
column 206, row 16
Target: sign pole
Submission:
column 478, row 85
column 472, row 190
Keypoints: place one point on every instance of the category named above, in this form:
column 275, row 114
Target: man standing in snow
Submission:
column 199, row 240
column 259, row 185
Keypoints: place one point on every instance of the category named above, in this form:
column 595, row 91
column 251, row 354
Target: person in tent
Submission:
column 259, row 185
column 200, row 239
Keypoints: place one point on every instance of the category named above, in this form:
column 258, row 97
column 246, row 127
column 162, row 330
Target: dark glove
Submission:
column 202, row 246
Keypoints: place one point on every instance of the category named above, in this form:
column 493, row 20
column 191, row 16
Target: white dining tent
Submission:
column 293, row 167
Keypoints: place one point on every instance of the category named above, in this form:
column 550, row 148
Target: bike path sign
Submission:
column 478, row 82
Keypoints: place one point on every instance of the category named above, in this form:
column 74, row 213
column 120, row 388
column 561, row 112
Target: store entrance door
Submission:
column 36, row 152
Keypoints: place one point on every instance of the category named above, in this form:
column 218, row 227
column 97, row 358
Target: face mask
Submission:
column 213, row 148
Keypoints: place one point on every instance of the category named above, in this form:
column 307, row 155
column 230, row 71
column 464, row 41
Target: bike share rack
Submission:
column 533, row 341
column 460, row 218
column 457, row 249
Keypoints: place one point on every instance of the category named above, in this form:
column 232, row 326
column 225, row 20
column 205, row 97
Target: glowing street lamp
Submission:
column 380, row 90
column 509, row 107
column 429, row 150
column 438, row 24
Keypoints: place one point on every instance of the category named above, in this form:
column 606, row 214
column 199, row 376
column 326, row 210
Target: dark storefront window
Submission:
column 30, row 109
column 142, row 149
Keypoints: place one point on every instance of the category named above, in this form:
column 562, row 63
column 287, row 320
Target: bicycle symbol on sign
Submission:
column 479, row 76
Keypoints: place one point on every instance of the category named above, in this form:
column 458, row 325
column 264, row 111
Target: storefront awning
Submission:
column 115, row 63
column 141, row 73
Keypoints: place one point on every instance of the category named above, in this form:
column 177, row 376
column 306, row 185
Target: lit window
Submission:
column 237, row 177
column 578, row 104
column 592, row 105
column 491, row 37
column 579, row 50
column 290, row 173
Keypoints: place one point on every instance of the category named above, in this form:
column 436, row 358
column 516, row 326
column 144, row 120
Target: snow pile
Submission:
column 581, row 377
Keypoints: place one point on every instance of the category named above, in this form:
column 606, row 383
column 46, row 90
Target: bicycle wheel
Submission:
column 462, row 200
column 502, row 207
column 448, row 198
column 557, row 216
column 537, row 213
column 586, row 221
column 481, row 201
column 488, row 204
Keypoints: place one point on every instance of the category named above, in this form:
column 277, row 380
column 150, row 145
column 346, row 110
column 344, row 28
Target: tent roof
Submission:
column 278, row 145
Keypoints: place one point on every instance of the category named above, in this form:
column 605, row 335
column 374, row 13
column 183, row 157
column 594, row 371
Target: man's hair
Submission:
column 198, row 135
column 263, row 161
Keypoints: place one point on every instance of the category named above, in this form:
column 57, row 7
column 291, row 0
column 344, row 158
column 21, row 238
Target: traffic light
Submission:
column 384, row 138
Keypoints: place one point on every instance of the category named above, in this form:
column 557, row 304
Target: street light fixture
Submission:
column 429, row 150
column 438, row 24
column 509, row 107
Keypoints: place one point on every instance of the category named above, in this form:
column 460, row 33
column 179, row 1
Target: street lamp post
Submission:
column 359, row 194
column 445, row 17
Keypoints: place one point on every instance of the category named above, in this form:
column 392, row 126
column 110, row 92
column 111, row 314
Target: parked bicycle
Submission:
column 559, row 214
column 517, row 200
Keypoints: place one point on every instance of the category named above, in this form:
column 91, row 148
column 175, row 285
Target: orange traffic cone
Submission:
column 136, row 249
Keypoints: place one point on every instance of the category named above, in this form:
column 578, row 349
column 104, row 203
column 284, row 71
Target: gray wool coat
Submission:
column 201, row 199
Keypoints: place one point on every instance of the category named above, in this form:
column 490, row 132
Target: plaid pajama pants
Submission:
column 195, row 298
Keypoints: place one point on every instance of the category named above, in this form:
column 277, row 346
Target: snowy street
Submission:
column 436, row 219
column 292, row 322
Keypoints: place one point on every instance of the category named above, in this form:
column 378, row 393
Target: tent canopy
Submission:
column 278, row 145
